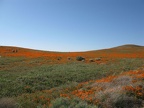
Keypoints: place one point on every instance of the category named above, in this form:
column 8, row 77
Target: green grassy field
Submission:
column 20, row 76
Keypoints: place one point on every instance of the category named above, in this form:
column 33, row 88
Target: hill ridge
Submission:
column 129, row 46
column 121, row 46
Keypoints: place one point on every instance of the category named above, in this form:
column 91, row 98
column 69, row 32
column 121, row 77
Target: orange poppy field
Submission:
column 107, row 78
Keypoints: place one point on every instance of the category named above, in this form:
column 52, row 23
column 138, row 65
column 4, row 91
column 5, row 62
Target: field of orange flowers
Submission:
column 62, row 57
column 109, row 78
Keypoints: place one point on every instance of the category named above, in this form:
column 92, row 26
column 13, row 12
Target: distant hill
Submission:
column 127, row 46
column 124, row 51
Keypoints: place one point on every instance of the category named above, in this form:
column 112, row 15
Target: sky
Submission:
column 71, row 25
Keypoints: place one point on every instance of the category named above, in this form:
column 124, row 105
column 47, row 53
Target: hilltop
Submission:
column 128, row 46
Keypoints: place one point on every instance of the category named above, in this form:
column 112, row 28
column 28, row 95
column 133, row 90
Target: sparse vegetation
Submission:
column 70, row 103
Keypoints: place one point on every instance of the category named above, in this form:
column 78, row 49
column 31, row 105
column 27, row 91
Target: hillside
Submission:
column 120, row 51
column 108, row 78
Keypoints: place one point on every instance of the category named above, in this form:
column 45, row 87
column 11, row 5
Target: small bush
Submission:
column 69, row 58
column 59, row 58
column 79, row 58
column 91, row 60
column 128, row 102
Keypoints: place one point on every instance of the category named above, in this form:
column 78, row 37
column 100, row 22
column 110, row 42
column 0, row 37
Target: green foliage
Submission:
column 14, row 80
column 20, row 75
column 79, row 58
column 70, row 103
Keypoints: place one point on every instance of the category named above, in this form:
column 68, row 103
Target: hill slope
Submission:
column 120, row 51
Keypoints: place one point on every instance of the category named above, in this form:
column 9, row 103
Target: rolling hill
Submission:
column 120, row 50
column 107, row 78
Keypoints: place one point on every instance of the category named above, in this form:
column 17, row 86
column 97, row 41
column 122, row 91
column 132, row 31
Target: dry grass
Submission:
column 111, row 91
column 7, row 103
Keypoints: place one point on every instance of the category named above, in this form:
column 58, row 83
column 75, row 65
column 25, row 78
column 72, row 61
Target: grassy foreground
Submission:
column 30, row 84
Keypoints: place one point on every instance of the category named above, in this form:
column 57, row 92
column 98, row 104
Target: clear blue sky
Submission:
column 71, row 25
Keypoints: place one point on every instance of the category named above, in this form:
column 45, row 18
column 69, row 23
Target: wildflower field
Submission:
column 110, row 78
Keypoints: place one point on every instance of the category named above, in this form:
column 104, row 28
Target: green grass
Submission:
column 14, row 79
column 9, row 60
column 73, row 103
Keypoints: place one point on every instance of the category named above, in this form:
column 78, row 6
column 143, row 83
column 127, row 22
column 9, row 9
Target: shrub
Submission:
column 79, row 58
column 69, row 58
column 91, row 60
column 59, row 58
column 128, row 102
